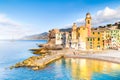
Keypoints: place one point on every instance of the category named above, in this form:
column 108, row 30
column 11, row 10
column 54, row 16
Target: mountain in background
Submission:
column 44, row 36
column 66, row 30
column 41, row 36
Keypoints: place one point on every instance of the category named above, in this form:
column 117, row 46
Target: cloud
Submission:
column 12, row 29
column 68, row 25
column 102, row 17
column 107, row 15
column 4, row 20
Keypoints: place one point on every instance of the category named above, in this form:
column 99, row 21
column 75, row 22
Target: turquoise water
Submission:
column 63, row 69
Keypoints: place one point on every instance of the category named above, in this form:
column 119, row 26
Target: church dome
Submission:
column 88, row 15
column 74, row 27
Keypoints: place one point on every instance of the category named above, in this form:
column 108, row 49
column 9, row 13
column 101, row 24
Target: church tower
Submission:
column 74, row 27
column 74, row 33
column 88, row 23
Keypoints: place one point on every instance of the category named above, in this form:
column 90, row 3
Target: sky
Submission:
column 19, row 18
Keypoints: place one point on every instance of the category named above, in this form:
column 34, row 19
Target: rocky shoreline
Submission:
column 45, row 55
column 50, row 53
column 38, row 62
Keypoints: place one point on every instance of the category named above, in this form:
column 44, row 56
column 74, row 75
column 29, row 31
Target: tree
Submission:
column 109, row 25
column 118, row 26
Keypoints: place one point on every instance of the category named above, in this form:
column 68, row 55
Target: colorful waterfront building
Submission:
column 73, row 34
column 81, row 36
column 114, row 38
column 83, row 32
column 95, row 41
column 85, row 38
column 106, row 38
column 90, row 43
column 55, row 37
column 66, row 40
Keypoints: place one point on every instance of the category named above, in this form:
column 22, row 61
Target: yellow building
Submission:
column 95, row 41
column 81, row 36
column 83, row 32
column 106, row 38
column 73, row 34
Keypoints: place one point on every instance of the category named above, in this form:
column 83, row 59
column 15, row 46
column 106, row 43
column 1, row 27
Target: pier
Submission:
column 39, row 62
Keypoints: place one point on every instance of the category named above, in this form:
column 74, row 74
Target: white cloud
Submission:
column 107, row 15
column 68, row 25
column 11, row 29
column 102, row 17
column 4, row 20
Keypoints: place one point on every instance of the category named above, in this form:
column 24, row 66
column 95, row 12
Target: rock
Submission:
column 38, row 62
column 41, row 51
column 35, row 68
column 41, row 45
column 54, row 47
column 33, row 49
column 12, row 67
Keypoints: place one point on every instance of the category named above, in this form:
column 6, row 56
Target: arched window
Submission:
column 88, row 21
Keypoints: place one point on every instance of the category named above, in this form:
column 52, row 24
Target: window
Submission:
column 90, row 46
column 98, row 46
column 88, row 39
column 98, row 39
column 91, row 43
column 88, row 21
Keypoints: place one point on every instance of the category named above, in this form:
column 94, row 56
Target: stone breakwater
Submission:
column 46, row 54
column 38, row 62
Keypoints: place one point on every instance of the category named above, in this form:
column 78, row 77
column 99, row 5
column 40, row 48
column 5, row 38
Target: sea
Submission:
column 12, row 52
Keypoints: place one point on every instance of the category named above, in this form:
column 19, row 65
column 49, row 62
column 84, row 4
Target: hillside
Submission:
column 42, row 35
column 37, row 36
column 66, row 30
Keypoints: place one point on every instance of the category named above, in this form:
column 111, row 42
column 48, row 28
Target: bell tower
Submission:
column 88, row 23
column 74, row 33
column 74, row 27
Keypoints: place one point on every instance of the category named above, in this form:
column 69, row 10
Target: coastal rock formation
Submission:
column 37, row 62
column 30, row 62
column 46, row 49
column 41, row 51
column 45, row 52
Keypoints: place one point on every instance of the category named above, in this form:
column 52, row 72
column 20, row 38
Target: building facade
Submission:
column 85, row 38
column 96, row 41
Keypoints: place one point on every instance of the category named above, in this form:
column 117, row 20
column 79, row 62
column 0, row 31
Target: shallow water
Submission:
column 63, row 69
